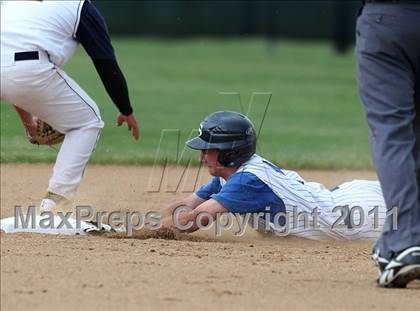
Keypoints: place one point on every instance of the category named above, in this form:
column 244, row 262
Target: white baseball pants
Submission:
column 45, row 91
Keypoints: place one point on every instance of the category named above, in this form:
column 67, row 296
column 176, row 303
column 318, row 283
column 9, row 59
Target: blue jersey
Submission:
column 243, row 193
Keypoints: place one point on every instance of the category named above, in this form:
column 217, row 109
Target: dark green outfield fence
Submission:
column 296, row 19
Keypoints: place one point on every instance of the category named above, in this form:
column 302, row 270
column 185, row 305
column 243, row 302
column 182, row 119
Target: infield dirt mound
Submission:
column 160, row 270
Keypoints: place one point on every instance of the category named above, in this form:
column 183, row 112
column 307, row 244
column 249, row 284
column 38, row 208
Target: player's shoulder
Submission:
column 246, row 185
column 243, row 178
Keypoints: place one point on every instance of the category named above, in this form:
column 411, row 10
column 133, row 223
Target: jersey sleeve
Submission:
column 246, row 193
column 92, row 33
column 212, row 187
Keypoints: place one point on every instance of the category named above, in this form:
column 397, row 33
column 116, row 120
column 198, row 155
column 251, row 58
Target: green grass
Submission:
column 314, row 118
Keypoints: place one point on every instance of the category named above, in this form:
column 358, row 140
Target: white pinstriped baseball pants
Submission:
column 45, row 91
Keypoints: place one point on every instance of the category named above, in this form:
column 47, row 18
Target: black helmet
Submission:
column 230, row 132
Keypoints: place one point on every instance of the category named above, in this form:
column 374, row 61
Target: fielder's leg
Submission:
column 80, row 120
column 48, row 93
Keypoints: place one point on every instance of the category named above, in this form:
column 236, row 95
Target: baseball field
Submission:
column 302, row 98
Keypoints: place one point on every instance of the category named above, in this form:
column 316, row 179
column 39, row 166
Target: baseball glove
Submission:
column 45, row 135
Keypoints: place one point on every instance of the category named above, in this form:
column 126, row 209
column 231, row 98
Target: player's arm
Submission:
column 191, row 201
column 93, row 35
column 243, row 193
column 187, row 219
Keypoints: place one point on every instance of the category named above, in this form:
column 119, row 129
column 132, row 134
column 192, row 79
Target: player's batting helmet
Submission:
column 230, row 132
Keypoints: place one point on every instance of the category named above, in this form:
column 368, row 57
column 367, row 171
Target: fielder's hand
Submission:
column 43, row 133
column 31, row 126
column 131, row 123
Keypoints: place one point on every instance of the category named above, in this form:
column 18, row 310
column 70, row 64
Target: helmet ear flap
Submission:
column 226, row 158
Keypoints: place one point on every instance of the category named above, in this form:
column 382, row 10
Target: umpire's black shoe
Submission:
column 402, row 269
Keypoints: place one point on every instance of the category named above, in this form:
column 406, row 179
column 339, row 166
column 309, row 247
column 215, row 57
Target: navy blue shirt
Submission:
column 92, row 33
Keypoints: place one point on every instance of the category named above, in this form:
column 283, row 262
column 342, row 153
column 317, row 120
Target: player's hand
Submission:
column 131, row 123
column 31, row 126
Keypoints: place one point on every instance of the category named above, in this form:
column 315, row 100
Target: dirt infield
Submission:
column 201, row 272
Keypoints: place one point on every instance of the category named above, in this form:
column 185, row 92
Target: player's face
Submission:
column 209, row 157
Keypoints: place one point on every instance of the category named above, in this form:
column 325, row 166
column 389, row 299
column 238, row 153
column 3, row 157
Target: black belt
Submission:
column 26, row 56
